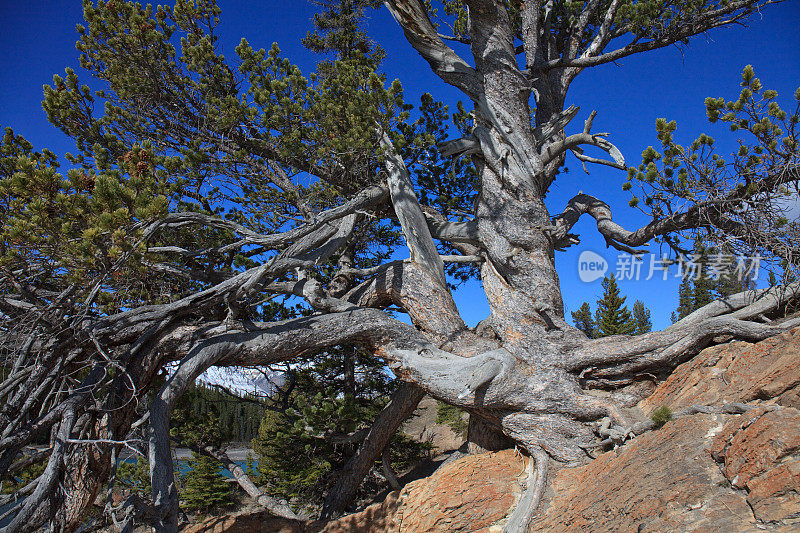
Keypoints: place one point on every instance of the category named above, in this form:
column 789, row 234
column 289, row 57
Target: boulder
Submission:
column 374, row 519
column 474, row 493
column 469, row 494
column 735, row 372
column 760, row 452
column 702, row 472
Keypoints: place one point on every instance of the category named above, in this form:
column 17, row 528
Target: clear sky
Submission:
column 38, row 36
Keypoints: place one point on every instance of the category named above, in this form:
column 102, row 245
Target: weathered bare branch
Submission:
column 459, row 147
column 366, row 198
column 546, row 132
column 581, row 204
column 729, row 316
column 551, row 152
column 412, row 16
column 411, row 288
column 453, row 232
column 412, row 220
column 730, row 13
column 267, row 502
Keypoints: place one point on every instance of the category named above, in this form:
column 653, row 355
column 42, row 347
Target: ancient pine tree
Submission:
column 181, row 222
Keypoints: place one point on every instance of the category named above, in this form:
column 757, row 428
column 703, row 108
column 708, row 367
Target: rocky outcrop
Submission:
column 701, row 472
column 247, row 522
column 422, row 426
column 735, row 372
column 374, row 519
column 760, row 452
column 470, row 494
column 473, row 493
column 665, row 480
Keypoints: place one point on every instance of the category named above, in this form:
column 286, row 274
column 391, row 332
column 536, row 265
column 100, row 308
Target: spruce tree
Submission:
column 250, row 465
column 685, row 299
column 612, row 316
column 703, row 290
column 641, row 316
column 698, row 290
column 205, row 488
column 733, row 281
column 583, row 320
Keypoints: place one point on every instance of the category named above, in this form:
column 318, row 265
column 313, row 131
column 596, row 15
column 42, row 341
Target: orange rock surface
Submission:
column 735, row 372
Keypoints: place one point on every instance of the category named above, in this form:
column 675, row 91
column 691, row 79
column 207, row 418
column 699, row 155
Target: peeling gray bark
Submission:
column 412, row 220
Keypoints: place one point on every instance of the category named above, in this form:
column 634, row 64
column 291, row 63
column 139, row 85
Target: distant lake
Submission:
column 185, row 454
column 238, row 454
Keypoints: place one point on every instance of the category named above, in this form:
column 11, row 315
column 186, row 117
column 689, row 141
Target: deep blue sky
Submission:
column 38, row 39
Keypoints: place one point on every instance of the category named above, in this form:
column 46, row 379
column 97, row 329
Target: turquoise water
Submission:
column 183, row 466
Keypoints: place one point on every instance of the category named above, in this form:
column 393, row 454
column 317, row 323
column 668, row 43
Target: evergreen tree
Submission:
column 343, row 389
column 733, row 281
column 205, row 488
column 249, row 465
column 451, row 416
column 583, row 320
column 716, row 277
column 685, row 299
column 641, row 316
column 205, row 414
column 702, row 290
column 612, row 316
column 135, row 476
column 300, row 449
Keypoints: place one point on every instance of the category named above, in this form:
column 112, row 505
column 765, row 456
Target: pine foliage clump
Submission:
column 329, row 405
column 134, row 475
column 205, row 488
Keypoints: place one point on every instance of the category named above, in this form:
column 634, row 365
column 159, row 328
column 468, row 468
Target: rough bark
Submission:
column 483, row 436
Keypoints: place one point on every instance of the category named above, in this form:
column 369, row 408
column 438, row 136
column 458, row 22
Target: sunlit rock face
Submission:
column 735, row 372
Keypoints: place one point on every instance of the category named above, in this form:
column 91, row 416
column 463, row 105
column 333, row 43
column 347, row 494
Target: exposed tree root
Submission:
column 616, row 435
column 521, row 517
